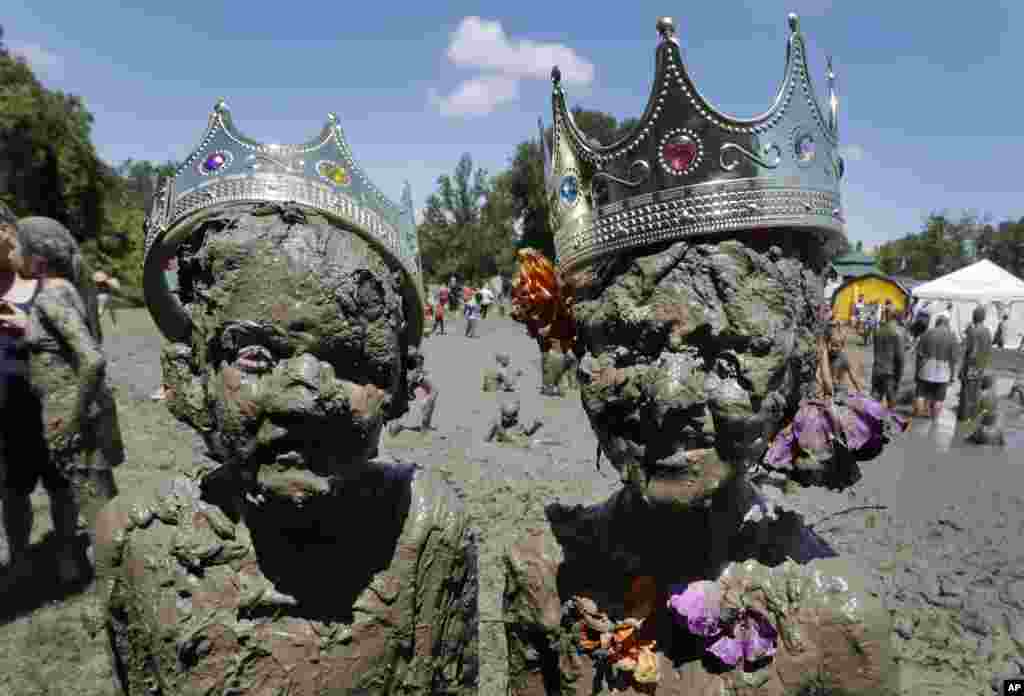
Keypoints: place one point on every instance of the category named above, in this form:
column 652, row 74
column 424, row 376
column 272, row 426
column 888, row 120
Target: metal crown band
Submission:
column 228, row 167
column 688, row 170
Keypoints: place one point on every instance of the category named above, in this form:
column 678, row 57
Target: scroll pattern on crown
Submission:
column 688, row 170
column 322, row 174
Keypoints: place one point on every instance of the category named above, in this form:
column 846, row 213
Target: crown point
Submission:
column 220, row 106
column 332, row 117
column 666, row 27
column 556, row 75
column 794, row 22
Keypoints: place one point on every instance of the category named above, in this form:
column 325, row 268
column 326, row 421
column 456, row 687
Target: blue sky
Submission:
column 931, row 103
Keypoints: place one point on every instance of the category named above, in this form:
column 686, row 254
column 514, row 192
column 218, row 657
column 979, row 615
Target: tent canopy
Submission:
column 981, row 282
column 985, row 284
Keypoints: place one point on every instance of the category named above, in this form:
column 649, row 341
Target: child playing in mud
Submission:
column 507, row 428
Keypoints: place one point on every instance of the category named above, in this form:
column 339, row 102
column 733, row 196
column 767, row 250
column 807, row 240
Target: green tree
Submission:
column 467, row 227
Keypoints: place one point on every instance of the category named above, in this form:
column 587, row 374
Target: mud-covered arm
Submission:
column 898, row 360
column 824, row 370
column 60, row 311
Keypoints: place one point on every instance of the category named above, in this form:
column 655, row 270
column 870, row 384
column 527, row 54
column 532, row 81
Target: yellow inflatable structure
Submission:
column 874, row 288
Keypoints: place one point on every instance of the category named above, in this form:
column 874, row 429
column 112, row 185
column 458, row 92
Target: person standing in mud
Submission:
column 936, row 358
column 22, row 445
column 976, row 360
column 473, row 313
column 887, row 370
column 999, row 339
column 67, row 371
column 486, row 299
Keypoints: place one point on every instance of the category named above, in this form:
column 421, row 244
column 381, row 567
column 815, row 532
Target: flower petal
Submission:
column 728, row 650
column 700, row 605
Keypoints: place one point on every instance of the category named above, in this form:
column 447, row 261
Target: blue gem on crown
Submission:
column 321, row 174
column 688, row 170
column 569, row 189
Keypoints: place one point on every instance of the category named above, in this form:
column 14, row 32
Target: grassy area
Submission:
column 44, row 647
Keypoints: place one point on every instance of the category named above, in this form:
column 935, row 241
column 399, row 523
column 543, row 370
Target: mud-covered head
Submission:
column 693, row 355
column 509, row 412
column 46, row 248
column 297, row 354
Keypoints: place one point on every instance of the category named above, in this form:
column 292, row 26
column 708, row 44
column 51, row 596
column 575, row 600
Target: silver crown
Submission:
column 228, row 167
column 688, row 170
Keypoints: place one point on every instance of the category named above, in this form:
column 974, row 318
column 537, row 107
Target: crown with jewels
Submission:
column 228, row 167
column 687, row 170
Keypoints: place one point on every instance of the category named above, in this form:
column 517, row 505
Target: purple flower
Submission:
column 752, row 638
column 780, row 453
column 700, row 605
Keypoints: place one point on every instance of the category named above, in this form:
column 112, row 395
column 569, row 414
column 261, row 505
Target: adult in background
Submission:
column 936, row 358
column 999, row 340
column 472, row 312
column 67, row 372
column 946, row 312
column 887, row 370
column 977, row 359
column 859, row 314
column 486, row 300
column 920, row 321
column 21, row 416
column 106, row 285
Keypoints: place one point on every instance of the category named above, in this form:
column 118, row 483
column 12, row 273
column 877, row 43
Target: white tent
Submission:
column 983, row 283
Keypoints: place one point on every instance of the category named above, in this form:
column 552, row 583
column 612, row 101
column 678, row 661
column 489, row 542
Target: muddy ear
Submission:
column 185, row 395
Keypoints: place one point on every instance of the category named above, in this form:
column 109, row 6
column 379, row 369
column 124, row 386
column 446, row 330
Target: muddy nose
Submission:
column 296, row 387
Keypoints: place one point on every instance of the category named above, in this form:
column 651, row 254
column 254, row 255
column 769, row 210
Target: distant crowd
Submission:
column 940, row 356
column 476, row 303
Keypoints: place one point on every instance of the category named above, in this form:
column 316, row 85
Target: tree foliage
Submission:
column 49, row 167
column 946, row 244
column 467, row 229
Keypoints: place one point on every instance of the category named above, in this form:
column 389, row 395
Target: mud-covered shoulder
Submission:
column 435, row 500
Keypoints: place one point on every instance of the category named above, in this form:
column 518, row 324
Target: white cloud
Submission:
column 852, row 153
column 483, row 44
column 44, row 63
column 478, row 96
column 479, row 43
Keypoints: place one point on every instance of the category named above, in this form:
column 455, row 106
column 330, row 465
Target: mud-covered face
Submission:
column 692, row 358
column 296, row 356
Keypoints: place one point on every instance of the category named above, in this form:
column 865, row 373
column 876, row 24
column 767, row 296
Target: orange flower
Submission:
column 541, row 301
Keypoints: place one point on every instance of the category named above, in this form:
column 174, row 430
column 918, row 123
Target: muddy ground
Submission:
column 939, row 528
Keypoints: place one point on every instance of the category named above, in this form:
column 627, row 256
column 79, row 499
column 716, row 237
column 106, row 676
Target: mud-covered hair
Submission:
column 50, row 240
